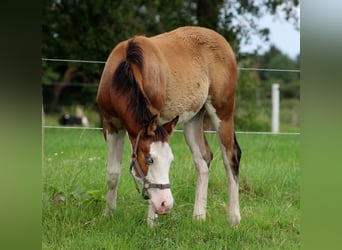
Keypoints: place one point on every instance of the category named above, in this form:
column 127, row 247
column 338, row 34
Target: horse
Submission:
column 151, row 84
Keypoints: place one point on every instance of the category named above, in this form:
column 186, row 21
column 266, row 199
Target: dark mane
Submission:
column 125, row 84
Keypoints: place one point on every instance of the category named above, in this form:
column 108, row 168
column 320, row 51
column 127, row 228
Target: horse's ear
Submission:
column 170, row 126
column 152, row 125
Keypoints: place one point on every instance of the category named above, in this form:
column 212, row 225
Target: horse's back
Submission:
column 182, row 70
column 201, row 65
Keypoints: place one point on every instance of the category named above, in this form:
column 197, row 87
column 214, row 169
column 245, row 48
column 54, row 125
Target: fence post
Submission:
column 275, row 108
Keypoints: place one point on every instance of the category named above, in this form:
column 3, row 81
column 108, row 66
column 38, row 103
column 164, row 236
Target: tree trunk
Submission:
column 61, row 84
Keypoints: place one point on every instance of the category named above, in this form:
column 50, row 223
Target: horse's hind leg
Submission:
column 234, row 155
column 115, row 144
column 231, row 154
column 202, row 157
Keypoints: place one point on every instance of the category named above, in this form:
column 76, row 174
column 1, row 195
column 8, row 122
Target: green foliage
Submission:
column 281, row 61
column 73, row 185
column 248, row 103
column 49, row 75
column 253, row 97
column 89, row 30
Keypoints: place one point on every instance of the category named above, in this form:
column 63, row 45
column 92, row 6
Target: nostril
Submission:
column 163, row 204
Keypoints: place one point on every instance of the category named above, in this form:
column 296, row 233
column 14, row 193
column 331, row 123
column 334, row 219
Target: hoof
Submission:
column 152, row 221
column 234, row 219
column 108, row 212
column 199, row 217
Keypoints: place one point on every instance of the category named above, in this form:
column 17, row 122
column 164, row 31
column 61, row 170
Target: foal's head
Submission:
column 151, row 162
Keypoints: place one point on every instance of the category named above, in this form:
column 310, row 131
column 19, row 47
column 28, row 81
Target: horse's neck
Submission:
column 132, row 127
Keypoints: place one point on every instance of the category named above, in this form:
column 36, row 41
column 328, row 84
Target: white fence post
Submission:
column 275, row 108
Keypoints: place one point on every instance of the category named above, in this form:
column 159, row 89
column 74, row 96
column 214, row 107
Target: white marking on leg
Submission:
column 152, row 217
column 115, row 143
column 202, row 173
column 234, row 216
column 234, row 207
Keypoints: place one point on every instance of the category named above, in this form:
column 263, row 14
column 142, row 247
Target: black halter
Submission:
column 146, row 183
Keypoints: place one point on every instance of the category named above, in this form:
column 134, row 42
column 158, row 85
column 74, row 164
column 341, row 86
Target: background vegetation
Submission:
column 74, row 187
column 73, row 173
column 88, row 30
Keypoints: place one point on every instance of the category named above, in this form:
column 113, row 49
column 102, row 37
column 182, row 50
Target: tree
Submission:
column 75, row 29
column 208, row 13
column 275, row 59
column 87, row 30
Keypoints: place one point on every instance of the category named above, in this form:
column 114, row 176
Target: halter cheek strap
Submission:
column 146, row 183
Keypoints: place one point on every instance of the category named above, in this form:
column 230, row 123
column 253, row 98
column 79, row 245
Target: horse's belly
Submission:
column 184, row 100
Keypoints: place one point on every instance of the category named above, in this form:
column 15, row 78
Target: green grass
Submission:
column 74, row 186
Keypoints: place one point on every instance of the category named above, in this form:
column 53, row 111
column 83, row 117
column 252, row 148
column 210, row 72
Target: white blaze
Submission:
column 162, row 156
column 158, row 172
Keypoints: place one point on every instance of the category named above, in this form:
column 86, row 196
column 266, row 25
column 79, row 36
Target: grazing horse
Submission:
column 150, row 84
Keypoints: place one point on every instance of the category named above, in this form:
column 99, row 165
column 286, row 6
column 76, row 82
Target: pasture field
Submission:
column 73, row 189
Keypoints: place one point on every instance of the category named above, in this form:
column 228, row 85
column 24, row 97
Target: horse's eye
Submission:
column 149, row 160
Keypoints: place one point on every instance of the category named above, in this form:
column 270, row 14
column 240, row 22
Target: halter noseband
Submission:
column 146, row 183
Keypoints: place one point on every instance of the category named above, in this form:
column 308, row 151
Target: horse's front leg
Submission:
column 202, row 156
column 152, row 217
column 115, row 144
